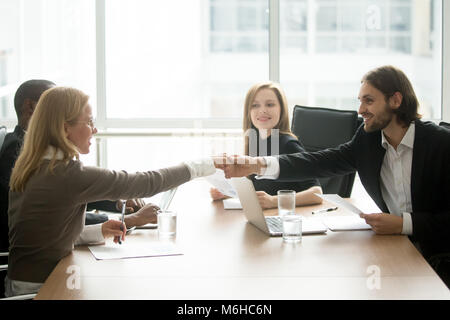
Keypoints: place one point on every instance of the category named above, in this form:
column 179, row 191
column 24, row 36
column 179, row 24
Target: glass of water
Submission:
column 286, row 202
column 167, row 223
column 292, row 228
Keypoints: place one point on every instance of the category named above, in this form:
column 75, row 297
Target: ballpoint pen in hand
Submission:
column 325, row 210
column 124, row 205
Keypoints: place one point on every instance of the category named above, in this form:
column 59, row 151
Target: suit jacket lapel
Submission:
column 418, row 161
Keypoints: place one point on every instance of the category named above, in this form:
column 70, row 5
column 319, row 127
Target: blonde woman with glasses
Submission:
column 267, row 132
column 50, row 187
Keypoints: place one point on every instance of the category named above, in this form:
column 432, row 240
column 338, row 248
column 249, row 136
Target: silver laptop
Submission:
column 164, row 204
column 166, row 198
column 269, row 225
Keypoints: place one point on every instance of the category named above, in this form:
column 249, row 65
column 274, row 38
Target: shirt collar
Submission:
column 408, row 138
column 48, row 155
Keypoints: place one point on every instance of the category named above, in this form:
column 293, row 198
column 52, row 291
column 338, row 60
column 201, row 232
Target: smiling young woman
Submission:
column 266, row 124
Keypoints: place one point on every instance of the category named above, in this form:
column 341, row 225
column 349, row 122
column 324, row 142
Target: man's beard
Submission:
column 380, row 121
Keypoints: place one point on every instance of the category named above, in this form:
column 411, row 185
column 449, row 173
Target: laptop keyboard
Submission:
column 274, row 224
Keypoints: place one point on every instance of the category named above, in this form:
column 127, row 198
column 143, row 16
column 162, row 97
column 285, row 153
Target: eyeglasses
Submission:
column 90, row 123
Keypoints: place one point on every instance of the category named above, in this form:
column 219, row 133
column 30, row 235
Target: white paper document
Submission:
column 345, row 223
column 340, row 202
column 123, row 251
column 219, row 182
column 232, row 204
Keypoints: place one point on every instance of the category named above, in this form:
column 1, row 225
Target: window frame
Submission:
column 105, row 123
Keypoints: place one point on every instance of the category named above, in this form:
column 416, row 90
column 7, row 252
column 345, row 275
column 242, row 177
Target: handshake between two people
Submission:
column 239, row 165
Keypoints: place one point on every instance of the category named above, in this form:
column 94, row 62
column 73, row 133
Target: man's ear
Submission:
column 28, row 107
column 395, row 100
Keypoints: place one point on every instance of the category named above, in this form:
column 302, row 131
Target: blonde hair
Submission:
column 56, row 107
column 283, row 123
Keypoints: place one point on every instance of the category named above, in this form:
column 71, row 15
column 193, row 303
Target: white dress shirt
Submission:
column 395, row 177
column 200, row 167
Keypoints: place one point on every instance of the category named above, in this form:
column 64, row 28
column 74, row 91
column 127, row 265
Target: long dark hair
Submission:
column 389, row 80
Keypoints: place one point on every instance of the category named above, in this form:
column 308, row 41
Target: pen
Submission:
column 325, row 210
column 124, row 205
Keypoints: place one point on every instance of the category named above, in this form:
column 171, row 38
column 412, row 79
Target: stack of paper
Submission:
column 345, row 223
column 133, row 250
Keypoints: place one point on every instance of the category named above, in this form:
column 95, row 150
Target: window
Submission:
column 182, row 59
column 238, row 25
column 346, row 38
column 46, row 39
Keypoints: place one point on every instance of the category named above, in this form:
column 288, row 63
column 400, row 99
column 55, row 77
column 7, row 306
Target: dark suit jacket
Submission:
column 8, row 155
column 430, row 177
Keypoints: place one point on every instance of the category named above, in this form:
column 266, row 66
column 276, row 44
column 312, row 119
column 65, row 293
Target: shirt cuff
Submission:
column 201, row 167
column 407, row 224
column 90, row 234
column 272, row 171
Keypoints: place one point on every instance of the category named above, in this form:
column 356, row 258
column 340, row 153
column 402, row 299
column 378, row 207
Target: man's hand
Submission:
column 132, row 205
column 112, row 228
column 147, row 214
column 384, row 223
column 266, row 200
column 240, row 166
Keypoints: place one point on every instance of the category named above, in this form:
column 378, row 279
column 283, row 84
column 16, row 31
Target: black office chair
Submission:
column 441, row 264
column 322, row 128
column 3, row 272
column 445, row 124
column 2, row 135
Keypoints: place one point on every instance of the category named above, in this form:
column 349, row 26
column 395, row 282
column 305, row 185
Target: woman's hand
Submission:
column 266, row 200
column 114, row 228
column 216, row 194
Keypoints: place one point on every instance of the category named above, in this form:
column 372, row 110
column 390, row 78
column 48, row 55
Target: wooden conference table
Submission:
column 224, row 257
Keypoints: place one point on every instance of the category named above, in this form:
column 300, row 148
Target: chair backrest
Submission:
column 445, row 124
column 3, row 272
column 2, row 135
column 322, row 128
